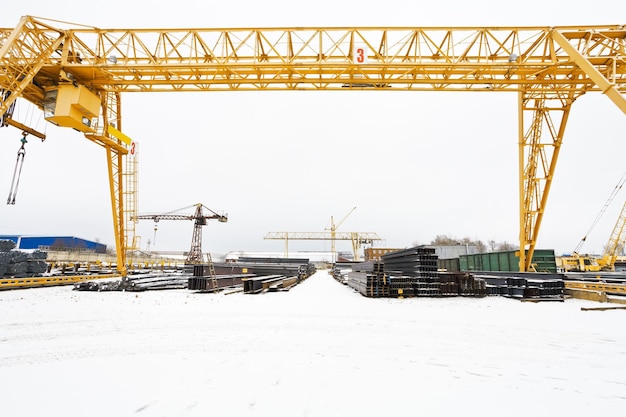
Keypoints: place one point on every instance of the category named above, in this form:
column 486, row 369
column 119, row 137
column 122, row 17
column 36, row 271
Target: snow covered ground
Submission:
column 320, row 349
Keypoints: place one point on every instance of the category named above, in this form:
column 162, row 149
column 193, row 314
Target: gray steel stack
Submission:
column 411, row 272
column 19, row 264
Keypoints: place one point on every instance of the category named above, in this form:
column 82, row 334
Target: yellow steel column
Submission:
column 523, row 238
column 114, row 162
column 539, row 153
column 111, row 109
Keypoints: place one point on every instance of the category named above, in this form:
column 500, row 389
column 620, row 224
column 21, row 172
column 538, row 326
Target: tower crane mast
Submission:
column 199, row 218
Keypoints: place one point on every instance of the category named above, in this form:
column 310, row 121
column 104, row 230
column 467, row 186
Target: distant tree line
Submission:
column 489, row 246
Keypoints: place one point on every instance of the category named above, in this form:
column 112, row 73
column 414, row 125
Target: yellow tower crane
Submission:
column 77, row 75
column 200, row 219
column 333, row 228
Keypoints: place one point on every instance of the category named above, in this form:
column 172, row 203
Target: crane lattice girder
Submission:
column 464, row 58
column 158, row 217
column 361, row 236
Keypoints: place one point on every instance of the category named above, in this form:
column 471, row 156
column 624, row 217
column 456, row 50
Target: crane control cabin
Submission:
column 77, row 75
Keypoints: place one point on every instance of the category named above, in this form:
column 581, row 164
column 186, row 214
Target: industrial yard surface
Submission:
column 320, row 349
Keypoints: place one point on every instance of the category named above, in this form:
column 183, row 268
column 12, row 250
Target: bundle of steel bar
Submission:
column 142, row 282
column 340, row 271
column 206, row 284
column 255, row 285
column 277, row 266
column 525, row 285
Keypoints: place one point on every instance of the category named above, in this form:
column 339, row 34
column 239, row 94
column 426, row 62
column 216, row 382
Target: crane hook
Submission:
column 17, row 172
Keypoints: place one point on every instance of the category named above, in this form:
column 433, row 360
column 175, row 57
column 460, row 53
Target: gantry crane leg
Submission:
column 539, row 145
column 114, row 163
column 116, row 152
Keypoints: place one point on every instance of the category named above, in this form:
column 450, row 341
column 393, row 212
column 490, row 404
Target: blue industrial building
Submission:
column 54, row 243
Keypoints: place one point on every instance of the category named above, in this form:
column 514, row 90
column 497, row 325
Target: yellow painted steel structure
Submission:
column 15, row 283
column 619, row 289
column 357, row 239
column 548, row 68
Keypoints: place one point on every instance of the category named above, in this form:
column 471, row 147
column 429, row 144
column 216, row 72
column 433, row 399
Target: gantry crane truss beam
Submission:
column 357, row 238
column 548, row 67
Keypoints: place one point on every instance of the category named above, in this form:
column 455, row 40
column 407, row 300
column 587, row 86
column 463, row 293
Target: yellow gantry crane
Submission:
column 77, row 75
column 358, row 239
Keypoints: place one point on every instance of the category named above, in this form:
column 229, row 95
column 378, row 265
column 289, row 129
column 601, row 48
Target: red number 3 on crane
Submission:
column 360, row 55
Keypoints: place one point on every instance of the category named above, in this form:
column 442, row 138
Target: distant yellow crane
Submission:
column 615, row 244
column 333, row 229
column 357, row 238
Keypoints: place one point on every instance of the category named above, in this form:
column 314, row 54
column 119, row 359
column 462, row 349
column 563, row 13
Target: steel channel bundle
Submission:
column 402, row 286
column 529, row 286
column 418, row 262
column 256, row 285
column 412, row 272
column 254, row 274
column 369, row 279
column 223, row 281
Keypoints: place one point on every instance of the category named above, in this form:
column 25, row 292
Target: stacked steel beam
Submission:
column 254, row 274
column 525, row 285
column 369, row 279
column 412, row 272
column 205, row 284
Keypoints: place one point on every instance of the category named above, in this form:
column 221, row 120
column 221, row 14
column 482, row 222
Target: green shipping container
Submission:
column 544, row 260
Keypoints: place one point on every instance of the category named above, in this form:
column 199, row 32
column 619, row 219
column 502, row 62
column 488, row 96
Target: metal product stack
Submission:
column 369, row 279
column 412, row 272
column 255, row 275
column 19, row 264
column 526, row 285
column 205, row 283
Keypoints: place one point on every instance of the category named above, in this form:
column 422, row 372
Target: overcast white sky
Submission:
column 416, row 165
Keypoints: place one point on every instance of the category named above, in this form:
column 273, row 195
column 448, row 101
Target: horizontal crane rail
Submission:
column 464, row 58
